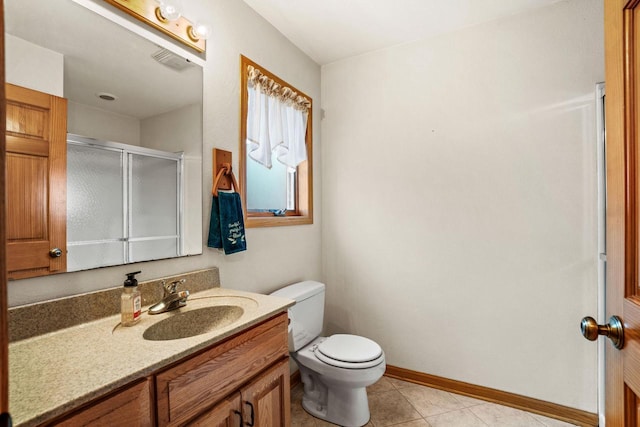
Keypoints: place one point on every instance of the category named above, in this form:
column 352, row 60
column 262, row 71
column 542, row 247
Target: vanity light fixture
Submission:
column 166, row 16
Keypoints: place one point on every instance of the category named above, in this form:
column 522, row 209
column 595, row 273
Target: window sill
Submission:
column 277, row 221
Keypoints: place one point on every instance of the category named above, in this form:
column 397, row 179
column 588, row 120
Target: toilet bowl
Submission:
column 337, row 394
column 335, row 370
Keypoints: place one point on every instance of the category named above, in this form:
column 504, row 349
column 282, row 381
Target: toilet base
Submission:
column 338, row 420
column 347, row 407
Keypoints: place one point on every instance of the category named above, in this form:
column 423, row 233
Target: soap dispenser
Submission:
column 131, row 301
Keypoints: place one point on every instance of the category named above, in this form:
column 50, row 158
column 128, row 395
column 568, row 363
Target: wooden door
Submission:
column 36, row 153
column 266, row 400
column 224, row 414
column 4, row 321
column 622, row 76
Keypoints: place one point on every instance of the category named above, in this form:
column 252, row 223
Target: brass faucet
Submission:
column 172, row 299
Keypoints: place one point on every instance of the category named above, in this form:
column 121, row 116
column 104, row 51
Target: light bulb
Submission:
column 199, row 31
column 171, row 9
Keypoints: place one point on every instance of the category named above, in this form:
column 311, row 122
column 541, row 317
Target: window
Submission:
column 275, row 181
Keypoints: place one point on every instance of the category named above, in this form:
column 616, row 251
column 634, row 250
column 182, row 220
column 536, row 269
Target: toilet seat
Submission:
column 349, row 351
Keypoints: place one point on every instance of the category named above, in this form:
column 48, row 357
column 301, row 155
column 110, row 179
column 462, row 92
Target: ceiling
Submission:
column 101, row 56
column 330, row 30
column 326, row 30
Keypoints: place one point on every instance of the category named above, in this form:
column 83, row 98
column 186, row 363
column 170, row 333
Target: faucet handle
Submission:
column 170, row 288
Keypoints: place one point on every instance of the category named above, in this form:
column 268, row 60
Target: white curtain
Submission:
column 276, row 122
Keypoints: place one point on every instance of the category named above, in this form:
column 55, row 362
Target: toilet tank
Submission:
column 307, row 315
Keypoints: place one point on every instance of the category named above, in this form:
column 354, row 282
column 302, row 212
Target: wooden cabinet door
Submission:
column 622, row 71
column 225, row 414
column 36, row 153
column 266, row 400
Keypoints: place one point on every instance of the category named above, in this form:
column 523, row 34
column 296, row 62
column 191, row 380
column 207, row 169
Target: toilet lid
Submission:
column 349, row 351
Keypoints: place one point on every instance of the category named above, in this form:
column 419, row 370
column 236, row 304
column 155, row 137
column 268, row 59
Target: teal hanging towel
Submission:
column 226, row 226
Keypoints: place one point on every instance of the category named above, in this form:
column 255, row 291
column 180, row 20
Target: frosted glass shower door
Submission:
column 124, row 203
column 95, row 219
column 154, row 208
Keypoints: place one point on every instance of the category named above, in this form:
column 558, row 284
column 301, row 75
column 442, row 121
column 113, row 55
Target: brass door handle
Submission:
column 55, row 253
column 614, row 330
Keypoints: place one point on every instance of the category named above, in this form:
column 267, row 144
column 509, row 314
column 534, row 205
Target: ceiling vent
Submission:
column 171, row 60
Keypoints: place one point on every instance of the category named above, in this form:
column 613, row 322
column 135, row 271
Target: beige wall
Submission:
column 101, row 124
column 275, row 256
column 459, row 203
column 33, row 66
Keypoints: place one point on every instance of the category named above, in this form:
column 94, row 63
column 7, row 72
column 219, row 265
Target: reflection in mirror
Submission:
column 124, row 89
column 116, row 215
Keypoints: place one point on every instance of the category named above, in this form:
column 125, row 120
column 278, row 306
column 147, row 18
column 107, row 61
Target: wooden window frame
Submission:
column 303, row 212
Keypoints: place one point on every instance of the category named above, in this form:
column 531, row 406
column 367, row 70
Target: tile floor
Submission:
column 402, row 404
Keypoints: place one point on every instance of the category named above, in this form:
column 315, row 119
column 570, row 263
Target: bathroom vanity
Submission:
column 95, row 374
column 208, row 388
column 188, row 390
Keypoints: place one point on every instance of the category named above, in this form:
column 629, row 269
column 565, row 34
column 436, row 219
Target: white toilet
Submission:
column 335, row 370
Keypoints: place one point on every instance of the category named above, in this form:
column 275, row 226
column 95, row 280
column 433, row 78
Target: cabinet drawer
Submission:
column 131, row 407
column 187, row 389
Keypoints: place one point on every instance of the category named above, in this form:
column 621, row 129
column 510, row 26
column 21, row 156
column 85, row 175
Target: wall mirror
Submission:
column 122, row 89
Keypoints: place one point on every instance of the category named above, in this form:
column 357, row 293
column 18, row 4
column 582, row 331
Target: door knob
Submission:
column 614, row 330
column 55, row 253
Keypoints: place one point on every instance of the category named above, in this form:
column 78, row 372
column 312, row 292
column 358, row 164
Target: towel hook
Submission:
column 227, row 170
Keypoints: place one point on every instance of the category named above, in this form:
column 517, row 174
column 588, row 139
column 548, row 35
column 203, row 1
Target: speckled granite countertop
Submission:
column 53, row 373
